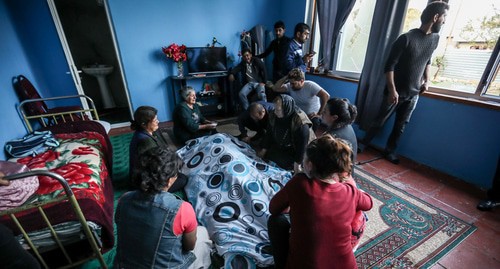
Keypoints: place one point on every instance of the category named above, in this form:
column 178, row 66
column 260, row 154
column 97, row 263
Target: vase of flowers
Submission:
column 178, row 54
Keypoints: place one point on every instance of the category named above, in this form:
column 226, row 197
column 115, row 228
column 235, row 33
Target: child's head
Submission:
column 326, row 156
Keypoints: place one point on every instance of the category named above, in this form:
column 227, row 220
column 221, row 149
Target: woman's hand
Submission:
column 297, row 168
column 3, row 182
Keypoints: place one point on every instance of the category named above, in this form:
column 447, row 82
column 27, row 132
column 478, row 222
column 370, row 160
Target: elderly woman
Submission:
column 145, row 125
column 189, row 123
column 287, row 135
column 338, row 115
column 322, row 203
column 155, row 228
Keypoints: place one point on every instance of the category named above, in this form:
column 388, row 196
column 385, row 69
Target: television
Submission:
column 206, row 60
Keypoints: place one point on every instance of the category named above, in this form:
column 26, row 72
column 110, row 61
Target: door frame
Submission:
column 73, row 70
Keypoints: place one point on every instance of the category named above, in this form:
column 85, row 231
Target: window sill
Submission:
column 463, row 100
column 430, row 94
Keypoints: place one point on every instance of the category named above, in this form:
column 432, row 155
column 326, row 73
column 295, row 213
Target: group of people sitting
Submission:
column 163, row 227
column 157, row 229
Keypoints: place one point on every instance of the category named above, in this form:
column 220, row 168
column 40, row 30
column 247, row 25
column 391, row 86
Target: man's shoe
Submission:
column 487, row 205
column 393, row 158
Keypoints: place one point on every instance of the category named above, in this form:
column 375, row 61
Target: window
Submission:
column 465, row 62
column 351, row 42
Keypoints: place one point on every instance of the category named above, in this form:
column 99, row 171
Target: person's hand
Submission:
column 231, row 77
column 297, row 168
column 313, row 115
column 307, row 58
column 424, row 87
column 246, row 139
column 393, row 97
column 3, row 182
column 261, row 153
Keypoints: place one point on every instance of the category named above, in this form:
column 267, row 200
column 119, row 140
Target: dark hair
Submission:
column 279, row 24
column 432, row 9
column 155, row 167
column 329, row 155
column 255, row 106
column 245, row 50
column 142, row 116
column 300, row 28
column 343, row 109
column 296, row 74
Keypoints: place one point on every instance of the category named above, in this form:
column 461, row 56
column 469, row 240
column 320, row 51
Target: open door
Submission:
column 89, row 44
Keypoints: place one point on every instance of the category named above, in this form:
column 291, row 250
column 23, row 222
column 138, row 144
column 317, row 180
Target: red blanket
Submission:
column 80, row 159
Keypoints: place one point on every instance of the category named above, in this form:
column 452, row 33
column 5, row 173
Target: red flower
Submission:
column 83, row 151
column 175, row 52
column 39, row 160
column 74, row 173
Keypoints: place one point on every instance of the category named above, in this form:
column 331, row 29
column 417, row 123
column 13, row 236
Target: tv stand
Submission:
column 213, row 102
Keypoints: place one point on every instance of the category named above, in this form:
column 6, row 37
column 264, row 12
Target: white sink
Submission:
column 98, row 69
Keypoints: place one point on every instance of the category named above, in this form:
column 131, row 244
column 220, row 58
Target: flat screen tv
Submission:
column 206, row 60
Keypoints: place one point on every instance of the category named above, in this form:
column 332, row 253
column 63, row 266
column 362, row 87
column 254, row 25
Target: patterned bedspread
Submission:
column 80, row 160
column 230, row 189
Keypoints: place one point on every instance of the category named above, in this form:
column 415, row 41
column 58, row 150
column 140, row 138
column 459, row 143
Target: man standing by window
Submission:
column 407, row 75
column 294, row 57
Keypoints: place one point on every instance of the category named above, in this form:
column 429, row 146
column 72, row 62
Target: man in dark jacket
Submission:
column 279, row 47
column 255, row 118
column 253, row 74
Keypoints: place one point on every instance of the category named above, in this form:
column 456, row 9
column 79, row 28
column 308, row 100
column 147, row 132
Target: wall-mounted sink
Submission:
column 100, row 71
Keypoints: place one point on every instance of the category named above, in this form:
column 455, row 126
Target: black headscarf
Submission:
column 282, row 127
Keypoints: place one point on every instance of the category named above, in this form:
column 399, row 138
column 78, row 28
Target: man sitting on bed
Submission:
column 155, row 228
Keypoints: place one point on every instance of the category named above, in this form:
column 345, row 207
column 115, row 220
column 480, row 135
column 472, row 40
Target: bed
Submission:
column 68, row 219
column 230, row 189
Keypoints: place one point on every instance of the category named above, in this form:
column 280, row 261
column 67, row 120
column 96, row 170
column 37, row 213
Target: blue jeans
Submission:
column 248, row 88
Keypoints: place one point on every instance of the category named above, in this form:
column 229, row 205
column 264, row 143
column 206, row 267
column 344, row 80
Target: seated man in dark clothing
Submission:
column 253, row 75
column 255, row 118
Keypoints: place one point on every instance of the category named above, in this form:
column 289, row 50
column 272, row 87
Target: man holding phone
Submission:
column 294, row 57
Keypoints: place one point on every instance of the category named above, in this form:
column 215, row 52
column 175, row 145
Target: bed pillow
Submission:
column 19, row 190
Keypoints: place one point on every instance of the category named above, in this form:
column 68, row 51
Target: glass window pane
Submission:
column 354, row 37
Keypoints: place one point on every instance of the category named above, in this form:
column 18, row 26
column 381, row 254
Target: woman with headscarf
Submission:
column 288, row 133
column 189, row 123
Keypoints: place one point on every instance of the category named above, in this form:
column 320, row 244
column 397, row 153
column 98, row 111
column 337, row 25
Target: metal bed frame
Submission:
column 48, row 119
column 68, row 197
column 45, row 120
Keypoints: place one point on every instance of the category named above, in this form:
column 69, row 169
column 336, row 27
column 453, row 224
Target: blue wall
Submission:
column 458, row 139
column 158, row 23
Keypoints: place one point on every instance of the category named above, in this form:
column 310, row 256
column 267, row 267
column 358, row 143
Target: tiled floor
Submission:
column 481, row 250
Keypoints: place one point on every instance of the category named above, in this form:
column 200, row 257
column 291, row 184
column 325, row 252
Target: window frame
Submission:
column 489, row 74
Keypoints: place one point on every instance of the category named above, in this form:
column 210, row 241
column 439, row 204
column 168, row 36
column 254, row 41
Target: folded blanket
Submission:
column 19, row 190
